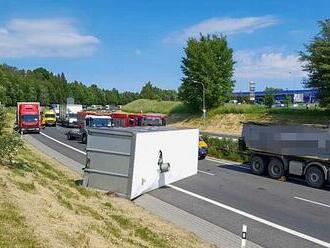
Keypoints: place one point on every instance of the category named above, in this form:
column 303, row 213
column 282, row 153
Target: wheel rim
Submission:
column 257, row 165
column 314, row 178
column 276, row 170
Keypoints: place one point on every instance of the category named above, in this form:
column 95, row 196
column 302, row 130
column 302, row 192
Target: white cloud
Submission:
column 267, row 65
column 44, row 38
column 225, row 26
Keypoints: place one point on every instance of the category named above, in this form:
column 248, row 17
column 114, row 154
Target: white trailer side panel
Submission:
column 179, row 148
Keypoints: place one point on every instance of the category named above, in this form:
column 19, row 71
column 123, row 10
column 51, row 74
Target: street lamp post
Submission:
column 204, row 107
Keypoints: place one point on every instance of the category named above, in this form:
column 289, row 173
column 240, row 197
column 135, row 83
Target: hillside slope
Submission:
column 229, row 117
column 42, row 205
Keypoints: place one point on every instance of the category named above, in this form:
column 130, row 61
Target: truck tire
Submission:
column 69, row 136
column 84, row 139
column 275, row 168
column 258, row 165
column 314, row 177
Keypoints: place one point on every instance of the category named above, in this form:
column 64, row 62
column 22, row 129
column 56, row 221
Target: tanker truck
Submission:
column 283, row 150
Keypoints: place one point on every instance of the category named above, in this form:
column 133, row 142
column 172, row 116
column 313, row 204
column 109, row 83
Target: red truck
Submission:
column 28, row 117
column 123, row 120
column 133, row 120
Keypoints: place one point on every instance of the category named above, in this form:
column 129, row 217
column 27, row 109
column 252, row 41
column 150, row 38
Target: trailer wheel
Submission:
column 275, row 168
column 68, row 135
column 258, row 165
column 314, row 177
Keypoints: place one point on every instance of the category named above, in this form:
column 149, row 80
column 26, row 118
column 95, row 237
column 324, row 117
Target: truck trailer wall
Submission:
column 179, row 149
column 295, row 140
column 127, row 160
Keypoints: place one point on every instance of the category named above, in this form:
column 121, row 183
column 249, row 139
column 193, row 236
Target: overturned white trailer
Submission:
column 132, row 161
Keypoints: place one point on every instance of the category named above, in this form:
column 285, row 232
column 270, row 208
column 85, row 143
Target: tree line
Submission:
column 43, row 86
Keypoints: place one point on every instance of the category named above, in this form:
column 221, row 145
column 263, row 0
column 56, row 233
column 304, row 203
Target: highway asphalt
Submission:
column 278, row 214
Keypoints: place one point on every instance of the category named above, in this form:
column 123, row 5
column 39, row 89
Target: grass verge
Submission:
column 43, row 205
column 154, row 106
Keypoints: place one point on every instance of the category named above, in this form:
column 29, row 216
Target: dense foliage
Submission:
column 45, row 87
column 149, row 91
column 317, row 63
column 207, row 60
column 10, row 141
column 224, row 148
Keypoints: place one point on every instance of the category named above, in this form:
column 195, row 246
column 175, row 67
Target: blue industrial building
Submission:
column 297, row 96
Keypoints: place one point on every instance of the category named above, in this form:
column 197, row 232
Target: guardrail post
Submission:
column 244, row 229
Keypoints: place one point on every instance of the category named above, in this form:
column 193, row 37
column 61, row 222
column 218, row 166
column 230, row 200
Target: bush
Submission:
column 224, row 148
column 9, row 146
column 10, row 141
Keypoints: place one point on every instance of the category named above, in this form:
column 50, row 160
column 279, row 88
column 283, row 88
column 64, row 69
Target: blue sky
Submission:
column 123, row 44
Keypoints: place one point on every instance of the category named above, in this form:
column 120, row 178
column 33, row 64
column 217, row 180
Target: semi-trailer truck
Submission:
column 282, row 150
column 68, row 114
column 28, row 117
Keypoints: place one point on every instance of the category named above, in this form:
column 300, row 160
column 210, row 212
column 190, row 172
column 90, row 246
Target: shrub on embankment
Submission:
column 224, row 148
column 10, row 140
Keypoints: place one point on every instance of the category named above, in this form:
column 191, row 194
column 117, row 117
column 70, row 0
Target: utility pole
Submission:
column 204, row 107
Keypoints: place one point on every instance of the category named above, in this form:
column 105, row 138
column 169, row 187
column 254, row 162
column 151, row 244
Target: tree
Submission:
column 317, row 63
column 148, row 91
column 287, row 100
column 269, row 97
column 207, row 60
column 10, row 141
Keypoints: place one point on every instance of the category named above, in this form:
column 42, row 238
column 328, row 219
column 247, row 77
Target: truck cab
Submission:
column 48, row 117
column 86, row 121
column 28, row 117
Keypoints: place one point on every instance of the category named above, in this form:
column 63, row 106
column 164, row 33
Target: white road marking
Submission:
column 255, row 218
column 207, row 173
column 227, row 162
column 314, row 202
column 73, row 148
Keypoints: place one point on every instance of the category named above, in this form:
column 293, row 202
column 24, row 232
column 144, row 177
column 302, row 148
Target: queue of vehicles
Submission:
column 278, row 150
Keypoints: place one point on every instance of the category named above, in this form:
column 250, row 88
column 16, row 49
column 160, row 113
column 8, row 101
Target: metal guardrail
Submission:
column 221, row 135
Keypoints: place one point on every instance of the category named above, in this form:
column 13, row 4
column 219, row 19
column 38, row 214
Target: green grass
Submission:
column 154, row 106
column 27, row 187
column 13, row 230
column 237, row 109
column 123, row 221
column 251, row 112
column 87, row 210
column 63, row 201
column 149, row 236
